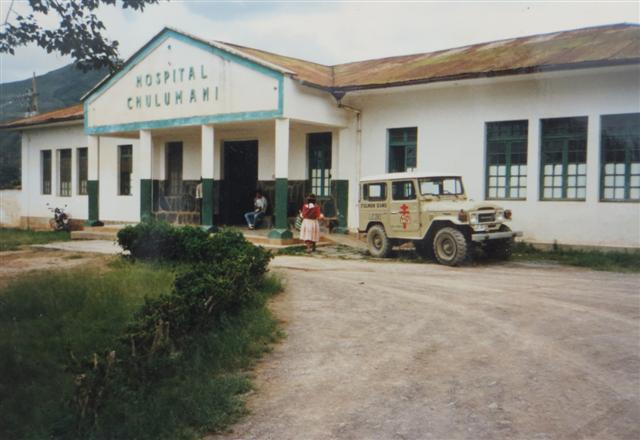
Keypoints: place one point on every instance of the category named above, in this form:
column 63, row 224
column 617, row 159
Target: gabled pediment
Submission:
column 177, row 79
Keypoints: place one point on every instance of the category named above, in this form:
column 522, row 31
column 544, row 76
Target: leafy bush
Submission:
column 220, row 276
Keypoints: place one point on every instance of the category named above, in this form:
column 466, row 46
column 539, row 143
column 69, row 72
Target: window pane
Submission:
column 64, row 161
column 564, row 150
column 45, row 159
column 620, row 143
column 402, row 149
column 506, row 157
column 403, row 190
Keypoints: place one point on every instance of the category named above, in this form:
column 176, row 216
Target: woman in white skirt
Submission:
column 310, row 230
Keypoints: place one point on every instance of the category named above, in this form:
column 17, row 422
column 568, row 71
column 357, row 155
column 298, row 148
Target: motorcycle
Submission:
column 61, row 220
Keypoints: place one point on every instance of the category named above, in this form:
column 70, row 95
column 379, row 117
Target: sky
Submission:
column 331, row 32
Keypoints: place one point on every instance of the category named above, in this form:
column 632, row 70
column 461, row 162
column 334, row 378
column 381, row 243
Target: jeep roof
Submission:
column 407, row 175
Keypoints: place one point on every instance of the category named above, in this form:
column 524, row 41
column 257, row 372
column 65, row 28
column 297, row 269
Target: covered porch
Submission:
column 283, row 158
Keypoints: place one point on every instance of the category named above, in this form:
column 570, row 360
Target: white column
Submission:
column 93, row 160
column 593, row 159
column 145, row 158
column 207, row 161
column 335, row 154
column 282, row 148
column 533, row 161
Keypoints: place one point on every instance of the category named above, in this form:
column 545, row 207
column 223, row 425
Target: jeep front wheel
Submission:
column 379, row 243
column 450, row 247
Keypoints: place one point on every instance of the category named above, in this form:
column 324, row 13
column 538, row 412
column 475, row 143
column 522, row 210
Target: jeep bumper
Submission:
column 484, row 236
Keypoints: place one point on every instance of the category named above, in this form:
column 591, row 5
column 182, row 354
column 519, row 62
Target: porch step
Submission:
column 94, row 235
column 107, row 232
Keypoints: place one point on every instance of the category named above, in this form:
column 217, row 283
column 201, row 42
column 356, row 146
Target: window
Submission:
column 83, row 170
column 374, row 191
column 620, row 157
column 507, row 160
column 320, row 163
column 64, row 162
column 441, row 186
column 402, row 149
column 564, row 159
column 125, row 165
column 45, row 165
column 403, row 190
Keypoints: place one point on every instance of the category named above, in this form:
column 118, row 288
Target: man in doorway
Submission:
column 259, row 210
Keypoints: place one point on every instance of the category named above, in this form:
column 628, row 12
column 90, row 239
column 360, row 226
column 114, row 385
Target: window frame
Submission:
column 44, row 190
column 627, row 172
column 67, row 190
column 324, row 181
column 82, row 190
column 365, row 192
column 120, row 172
column 395, row 182
column 565, row 160
column 405, row 143
column 508, row 140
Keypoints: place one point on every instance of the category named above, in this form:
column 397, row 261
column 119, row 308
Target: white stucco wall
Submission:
column 307, row 104
column 33, row 202
column 451, row 138
column 112, row 206
column 10, row 208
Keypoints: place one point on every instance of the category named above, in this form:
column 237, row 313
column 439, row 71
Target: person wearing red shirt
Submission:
column 310, row 230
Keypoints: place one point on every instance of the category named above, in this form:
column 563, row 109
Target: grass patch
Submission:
column 11, row 239
column 293, row 250
column 51, row 321
column 597, row 260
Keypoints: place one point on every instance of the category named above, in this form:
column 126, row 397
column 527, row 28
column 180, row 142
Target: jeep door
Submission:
column 404, row 215
column 374, row 207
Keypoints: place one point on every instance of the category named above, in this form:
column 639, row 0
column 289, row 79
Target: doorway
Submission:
column 173, row 184
column 240, row 180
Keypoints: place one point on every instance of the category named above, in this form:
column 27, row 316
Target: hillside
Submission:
column 56, row 89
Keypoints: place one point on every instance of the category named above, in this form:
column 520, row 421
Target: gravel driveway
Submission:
column 388, row 350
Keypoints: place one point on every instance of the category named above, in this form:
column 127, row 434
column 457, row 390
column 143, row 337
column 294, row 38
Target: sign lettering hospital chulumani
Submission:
column 168, row 78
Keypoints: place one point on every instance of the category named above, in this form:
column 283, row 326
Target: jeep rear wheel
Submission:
column 378, row 242
column 450, row 247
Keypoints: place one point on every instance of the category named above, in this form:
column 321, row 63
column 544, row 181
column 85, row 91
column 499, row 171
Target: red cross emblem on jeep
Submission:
column 405, row 216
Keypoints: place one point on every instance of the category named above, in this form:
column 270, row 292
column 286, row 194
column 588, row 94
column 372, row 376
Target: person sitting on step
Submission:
column 259, row 210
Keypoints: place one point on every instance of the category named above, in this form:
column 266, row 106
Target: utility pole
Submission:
column 31, row 96
column 34, row 95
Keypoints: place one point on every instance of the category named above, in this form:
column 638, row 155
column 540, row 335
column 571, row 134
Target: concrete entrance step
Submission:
column 108, row 232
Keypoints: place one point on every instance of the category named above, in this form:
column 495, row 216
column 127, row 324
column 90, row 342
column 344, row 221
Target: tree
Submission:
column 79, row 32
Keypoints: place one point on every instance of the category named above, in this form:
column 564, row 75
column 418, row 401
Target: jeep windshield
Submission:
column 441, row 186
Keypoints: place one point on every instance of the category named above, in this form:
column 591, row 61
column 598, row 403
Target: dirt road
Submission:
column 387, row 350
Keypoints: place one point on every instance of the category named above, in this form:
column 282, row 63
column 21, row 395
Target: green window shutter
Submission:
column 620, row 157
column 506, row 161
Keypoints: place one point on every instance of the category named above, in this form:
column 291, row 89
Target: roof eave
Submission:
column 46, row 123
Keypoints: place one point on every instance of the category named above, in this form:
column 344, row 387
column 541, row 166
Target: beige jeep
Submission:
column 432, row 211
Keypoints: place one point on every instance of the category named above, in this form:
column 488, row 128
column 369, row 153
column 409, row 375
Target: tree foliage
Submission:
column 78, row 33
